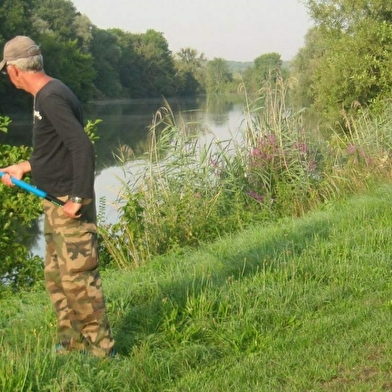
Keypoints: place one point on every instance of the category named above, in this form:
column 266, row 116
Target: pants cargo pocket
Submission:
column 82, row 251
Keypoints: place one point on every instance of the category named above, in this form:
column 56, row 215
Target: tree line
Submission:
column 107, row 63
column 343, row 67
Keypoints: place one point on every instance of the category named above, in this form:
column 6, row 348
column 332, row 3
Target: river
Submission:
column 127, row 123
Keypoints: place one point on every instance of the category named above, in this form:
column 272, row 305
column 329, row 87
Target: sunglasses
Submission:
column 4, row 70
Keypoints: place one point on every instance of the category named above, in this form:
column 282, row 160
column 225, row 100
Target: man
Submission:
column 62, row 164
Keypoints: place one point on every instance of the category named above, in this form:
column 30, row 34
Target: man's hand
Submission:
column 71, row 209
column 16, row 171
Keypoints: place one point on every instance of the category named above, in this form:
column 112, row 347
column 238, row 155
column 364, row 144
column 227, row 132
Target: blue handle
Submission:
column 32, row 189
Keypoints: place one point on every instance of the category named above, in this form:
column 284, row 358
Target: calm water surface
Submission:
column 127, row 123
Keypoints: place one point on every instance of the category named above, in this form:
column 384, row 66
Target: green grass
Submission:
column 299, row 305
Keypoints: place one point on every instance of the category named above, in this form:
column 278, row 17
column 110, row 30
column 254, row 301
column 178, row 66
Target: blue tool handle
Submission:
column 32, row 189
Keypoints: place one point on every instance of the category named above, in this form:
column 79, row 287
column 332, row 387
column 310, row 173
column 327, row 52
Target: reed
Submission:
column 276, row 165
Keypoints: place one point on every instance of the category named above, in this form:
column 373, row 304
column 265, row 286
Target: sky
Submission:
column 236, row 30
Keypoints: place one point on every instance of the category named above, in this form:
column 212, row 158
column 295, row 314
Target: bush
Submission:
column 18, row 216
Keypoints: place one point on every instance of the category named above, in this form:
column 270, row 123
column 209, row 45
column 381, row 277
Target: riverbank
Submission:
column 302, row 304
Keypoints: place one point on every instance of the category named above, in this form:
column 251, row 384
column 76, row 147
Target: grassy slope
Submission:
column 301, row 305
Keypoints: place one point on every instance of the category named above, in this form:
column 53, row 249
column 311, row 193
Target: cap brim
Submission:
column 2, row 64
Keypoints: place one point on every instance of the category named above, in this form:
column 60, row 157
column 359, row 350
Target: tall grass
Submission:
column 276, row 165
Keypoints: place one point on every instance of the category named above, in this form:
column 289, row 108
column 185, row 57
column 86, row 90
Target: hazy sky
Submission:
column 232, row 29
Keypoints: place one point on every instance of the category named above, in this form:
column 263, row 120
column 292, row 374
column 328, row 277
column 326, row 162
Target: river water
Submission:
column 128, row 123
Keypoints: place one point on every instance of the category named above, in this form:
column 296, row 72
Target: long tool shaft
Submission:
column 36, row 191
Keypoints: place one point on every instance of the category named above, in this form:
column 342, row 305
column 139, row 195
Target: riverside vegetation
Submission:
column 254, row 264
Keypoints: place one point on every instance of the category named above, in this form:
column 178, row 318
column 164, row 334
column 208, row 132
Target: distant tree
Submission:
column 65, row 61
column 84, row 31
column 190, row 60
column 158, row 70
column 146, row 65
column 130, row 65
column 106, row 52
column 217, row 76
column 15, row 19
column 190, row 71
column 267, row 67
column 303, row 67
column 56, row 17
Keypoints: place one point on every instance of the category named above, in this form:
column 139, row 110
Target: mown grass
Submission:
column 303, row 304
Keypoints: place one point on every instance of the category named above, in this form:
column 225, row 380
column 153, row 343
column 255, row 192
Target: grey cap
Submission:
column 17, row 48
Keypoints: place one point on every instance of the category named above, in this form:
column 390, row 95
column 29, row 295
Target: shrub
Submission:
column 186, row 193
column 18, row 216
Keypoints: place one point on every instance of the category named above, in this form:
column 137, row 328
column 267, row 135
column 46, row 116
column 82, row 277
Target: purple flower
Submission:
column 256, row 151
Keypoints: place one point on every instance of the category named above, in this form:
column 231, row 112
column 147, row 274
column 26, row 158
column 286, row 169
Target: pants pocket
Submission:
column 81, row 251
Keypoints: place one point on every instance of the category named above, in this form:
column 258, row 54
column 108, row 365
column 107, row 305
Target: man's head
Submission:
column 22, row 52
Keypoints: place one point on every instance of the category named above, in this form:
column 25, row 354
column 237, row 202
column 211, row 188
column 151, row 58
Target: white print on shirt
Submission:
column 37, row 114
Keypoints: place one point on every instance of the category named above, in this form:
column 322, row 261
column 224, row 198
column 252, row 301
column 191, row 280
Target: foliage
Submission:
column 190, row 72
column 145, row 65
column 91, row 129
column 239, row 67
column 106, row 52
column 64, row 60
column 303, row 68
column 18, row 216
column 156, row 65
column 15, row 18
column 266, row 68
column 56, row 18
column 217, row 76
column 347, row 62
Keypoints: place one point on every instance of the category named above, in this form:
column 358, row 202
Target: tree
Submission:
column 354, row 70
column 57, row 17
column 158, row 70
column 303, row 67
column 190, row 71
column 83, row 30
column 130, row 65
column 65, row 61
column 266, row 67
column 106, row 52
column 15, row 19
column 190, row 60
column 217, row 76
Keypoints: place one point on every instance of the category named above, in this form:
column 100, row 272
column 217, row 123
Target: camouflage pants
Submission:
column 73, row 281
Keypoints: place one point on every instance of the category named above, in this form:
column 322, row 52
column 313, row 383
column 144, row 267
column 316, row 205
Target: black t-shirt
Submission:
column 63, row 158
